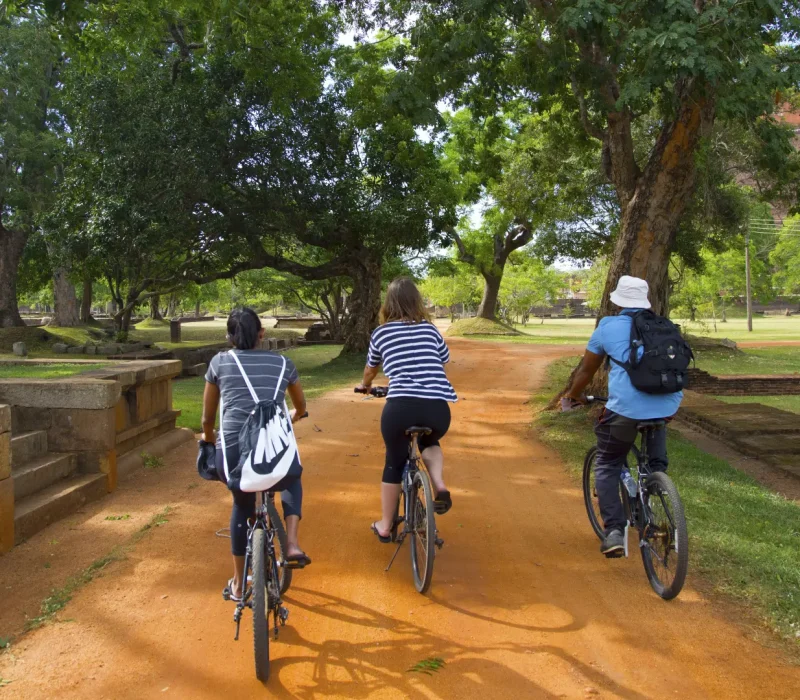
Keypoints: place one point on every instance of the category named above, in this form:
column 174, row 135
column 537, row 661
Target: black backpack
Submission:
column 662, row 368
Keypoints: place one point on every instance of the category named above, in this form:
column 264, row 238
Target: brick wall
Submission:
column 777, row 385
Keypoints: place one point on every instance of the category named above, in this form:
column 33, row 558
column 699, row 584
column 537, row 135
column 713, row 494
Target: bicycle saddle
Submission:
column 418, row 430
column 650, row 425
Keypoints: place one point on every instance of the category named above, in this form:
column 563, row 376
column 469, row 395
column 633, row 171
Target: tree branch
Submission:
column 591, row 129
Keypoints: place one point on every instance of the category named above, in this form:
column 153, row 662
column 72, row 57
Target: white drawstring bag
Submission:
column 267, row 445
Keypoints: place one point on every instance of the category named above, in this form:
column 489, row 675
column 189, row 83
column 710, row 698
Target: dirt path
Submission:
column 522, row 604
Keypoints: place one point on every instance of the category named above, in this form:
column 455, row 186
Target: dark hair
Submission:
column 244, row 326
column 403, row 303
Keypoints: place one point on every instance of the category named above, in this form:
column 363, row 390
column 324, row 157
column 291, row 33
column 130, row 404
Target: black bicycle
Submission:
column 268, row 577
column 415, row 510
column 653, row 506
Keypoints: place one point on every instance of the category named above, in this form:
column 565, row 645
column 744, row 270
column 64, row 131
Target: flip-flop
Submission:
column 442, row 503
column 227, row 592
column 385, row 539
column 299, row 560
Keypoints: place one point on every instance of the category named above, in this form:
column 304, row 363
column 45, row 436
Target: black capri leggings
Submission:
column 398, row 416
column 244, row 504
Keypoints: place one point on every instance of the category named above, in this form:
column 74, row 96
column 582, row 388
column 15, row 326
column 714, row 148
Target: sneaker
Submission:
column 613, row 544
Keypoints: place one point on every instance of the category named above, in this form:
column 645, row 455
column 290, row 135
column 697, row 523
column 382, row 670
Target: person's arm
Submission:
column 298, row 398
column 210, row 403
column 590, row 363
column 369, row 376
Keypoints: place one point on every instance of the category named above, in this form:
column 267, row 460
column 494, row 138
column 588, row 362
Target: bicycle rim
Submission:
column 260, row 609
column 590, row 499
column 665, row 539
column 423, row 531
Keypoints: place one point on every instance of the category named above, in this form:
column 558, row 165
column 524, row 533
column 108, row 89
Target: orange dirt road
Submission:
column 522, row 604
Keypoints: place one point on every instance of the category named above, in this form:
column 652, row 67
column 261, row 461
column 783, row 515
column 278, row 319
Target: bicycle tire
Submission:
column 260, row 609
column 283, row 543
column 422, row 524
column 590, row 494
column 675, row 538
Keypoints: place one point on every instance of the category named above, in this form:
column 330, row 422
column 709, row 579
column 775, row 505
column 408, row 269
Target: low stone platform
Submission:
column 758, row 431
column 744, row 385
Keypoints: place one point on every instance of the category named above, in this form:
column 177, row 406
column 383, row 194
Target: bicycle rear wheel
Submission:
column 281, row 546
column 590, row 499
column 260, row 608
column 422, row 524
column 665, row 539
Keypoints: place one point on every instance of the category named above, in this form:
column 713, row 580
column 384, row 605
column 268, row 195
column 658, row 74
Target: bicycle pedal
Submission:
column 226, row 595
column 294, row 565
column 439, row 542
column 617, row 554
column 283, row 615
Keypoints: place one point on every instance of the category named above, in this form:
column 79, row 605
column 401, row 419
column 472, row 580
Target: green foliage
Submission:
column 785, row 257
column 151, row 461
column 462, row 287
column 428, row 666
column 527, row 283
column 480, row 326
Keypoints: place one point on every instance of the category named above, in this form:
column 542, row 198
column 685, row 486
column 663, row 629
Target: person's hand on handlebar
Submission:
column 570, row 403
column 294, row 417
column 363, row 388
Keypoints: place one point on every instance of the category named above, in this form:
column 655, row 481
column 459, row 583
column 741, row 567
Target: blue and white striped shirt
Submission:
column 413, row 357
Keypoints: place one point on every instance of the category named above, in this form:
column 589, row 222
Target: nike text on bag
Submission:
column 659, row 356
column 267, row 446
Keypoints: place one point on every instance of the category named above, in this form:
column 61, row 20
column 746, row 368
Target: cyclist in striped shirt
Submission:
column 413, row 354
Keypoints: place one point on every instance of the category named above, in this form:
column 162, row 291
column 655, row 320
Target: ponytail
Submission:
column 244, row 325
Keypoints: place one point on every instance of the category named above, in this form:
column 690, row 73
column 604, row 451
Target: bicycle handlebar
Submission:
column 376, row 391
column 595, row 399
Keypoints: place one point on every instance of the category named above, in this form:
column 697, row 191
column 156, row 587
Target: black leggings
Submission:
column 244, row 504
column 398, row 416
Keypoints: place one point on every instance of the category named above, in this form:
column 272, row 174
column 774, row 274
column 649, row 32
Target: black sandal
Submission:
column 442, row 503
column 385, row 539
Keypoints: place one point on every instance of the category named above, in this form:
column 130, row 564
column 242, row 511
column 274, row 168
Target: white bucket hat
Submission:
column 631, row 293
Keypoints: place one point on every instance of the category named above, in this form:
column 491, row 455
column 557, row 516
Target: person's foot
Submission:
column 384, row 535
column 613, row 544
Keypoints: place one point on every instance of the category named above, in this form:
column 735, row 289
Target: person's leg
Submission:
column 615, row 435
column 434, row 462
column 244, row 507
column 292, row 500
column 657, row 450
column 393, row 427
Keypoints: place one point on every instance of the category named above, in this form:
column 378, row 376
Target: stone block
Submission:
column 76, row 350
column 198, row 370
column 5, row 455
column 60, row 348
column 5, row 419
column 91, row 349
column 282, row 343
column 79, row 430
column 273, row 344
column 90, row 394
column 19, row 349
column 100, row 463
column 107, row 349
column 6, row 514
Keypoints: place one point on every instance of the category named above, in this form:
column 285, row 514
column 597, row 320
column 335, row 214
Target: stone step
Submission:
column 36, row 512
column 27, row 446
column 41, row 472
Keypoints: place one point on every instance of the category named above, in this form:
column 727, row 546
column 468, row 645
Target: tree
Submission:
column 785, row 257
column 528, row 282
column 459, row 288
column 29, row 64
column 676, row 66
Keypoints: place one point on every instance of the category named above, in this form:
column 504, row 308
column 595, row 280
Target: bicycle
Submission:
column 646, row 497
column 268, row 576
column 418, row 521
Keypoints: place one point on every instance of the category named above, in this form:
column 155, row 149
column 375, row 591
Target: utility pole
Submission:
column 747, row 279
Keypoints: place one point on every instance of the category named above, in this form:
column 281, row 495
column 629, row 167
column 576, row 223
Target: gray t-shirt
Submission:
column 263, row 369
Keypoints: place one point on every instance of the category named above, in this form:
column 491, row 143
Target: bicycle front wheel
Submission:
column 281, row 546
column 422, row 524
column 260, row 608
column 665, row 539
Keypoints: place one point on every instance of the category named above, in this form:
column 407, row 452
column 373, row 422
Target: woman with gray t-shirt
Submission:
column 224, row 379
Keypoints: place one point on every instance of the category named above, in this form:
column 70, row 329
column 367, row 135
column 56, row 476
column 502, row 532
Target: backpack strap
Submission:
column 280, row 380
column 246, row 378
column 222, row 439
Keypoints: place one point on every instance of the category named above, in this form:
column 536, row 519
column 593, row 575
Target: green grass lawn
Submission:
column 745, row 540
column 785, row 403
column 320, row 367
column 774, row 360
column 48, row 371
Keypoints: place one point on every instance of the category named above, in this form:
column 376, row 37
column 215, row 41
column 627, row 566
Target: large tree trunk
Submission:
column 12, row 243
column 491, row 291
column 155, row 311
column 652, row 214
column 365, row 303
column 86, row 300
column 197, row 309
column 66, row 302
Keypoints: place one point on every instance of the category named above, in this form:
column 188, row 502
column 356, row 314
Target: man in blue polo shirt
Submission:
column 616, row 428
